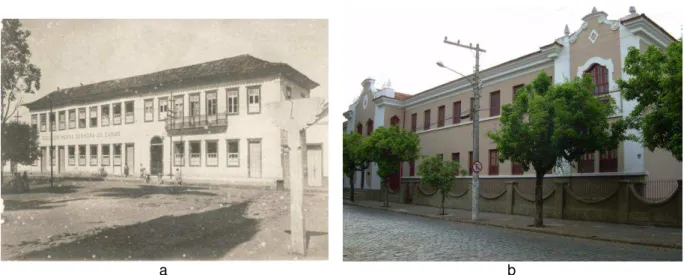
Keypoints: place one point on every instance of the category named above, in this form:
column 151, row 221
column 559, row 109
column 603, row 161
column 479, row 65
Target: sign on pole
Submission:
column 477, row 167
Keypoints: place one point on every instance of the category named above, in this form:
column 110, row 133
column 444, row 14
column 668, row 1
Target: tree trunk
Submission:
column 443, row 198
column 351, row 181
column 363, row 178
column 538, row 200
column 386, row 184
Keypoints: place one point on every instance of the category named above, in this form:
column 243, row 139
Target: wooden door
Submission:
column 315, row 165
column 255, row 159
column 130, row 159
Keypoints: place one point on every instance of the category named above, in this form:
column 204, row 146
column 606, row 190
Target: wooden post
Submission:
column 296, row 196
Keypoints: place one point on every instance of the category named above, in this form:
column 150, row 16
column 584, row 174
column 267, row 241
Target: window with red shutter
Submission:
column 470, row 163
column 394, row 121
column 493, row 162
column 608, row 161
column 599, row 75
column 494, row 103
column 586, row 163
column 426, row 121
column 516, row 169
column 440, row 114
column 457, row 112
column 359, row 128
column 414, row 121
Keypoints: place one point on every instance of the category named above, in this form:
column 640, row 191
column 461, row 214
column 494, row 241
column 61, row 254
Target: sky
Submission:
column 71, row 52
column 402, row 43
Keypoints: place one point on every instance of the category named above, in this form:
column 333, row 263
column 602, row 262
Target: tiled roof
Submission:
column 227, row 69
column 401, row 96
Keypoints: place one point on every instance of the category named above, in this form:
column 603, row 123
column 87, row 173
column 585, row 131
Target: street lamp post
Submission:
column 52, row 150
column 477, row 85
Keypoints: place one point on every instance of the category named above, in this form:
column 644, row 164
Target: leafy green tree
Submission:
column 388, row 147
column 19, row 144
column 439, row 174
column 549, row 123
column 355, row 156
column 19, row 76
column 656, row 85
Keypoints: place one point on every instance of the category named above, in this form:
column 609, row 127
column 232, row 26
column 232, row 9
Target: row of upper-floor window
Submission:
column 608, row 162
column 124, row 112
column 599, row 76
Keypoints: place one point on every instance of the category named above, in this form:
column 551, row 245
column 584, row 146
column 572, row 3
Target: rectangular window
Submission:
column 233, row 101
column 608, row 161
column 93, row 116
column 62, row 120
column 426, row 120
column 412, row 168
column 81, row 117
column 53, row 123
column 163, row 107
column 516, row 169
column 494, row 103
column 233, row 153
column 470, row 163
column 440, row 116
column 105, row 155
column 93, row 155
column 117, row 154
column 72, row 119
column 130, row 109
column 195, row 153
column 457, row 112
column 81, row 155
column 149, row 110
column 586, row 163
column 34, row 125
column 105, row 115
column 516, row 88
column 178, row 105
column 179, row 154
column 72, row 155
column 116, row 113
column 254, row 100
column 414, row 121
column 194, row 108
column 493, row 162
column 211, row 107
column 43, row 123
column 212, row 153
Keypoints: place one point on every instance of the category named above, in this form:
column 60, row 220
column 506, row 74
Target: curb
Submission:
column 670, row 246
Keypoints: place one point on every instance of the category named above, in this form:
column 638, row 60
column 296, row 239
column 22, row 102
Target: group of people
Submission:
column 160, row 177
column 20, row 182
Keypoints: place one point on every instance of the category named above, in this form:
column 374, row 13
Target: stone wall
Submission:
column 604, row 199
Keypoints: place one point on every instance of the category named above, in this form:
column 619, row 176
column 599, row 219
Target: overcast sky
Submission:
column 70, row 52
column 403, row 43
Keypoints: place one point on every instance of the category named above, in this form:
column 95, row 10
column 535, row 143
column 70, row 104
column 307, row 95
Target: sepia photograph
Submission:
column 138, row 140
column 514, row 132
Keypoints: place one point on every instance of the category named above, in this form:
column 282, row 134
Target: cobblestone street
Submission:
column 377, row 235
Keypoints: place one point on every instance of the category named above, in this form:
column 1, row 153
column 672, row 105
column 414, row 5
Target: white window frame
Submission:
column 254, row 100
column 233, row 96
column 233, row 158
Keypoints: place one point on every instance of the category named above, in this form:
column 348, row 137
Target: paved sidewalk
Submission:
column 620, row 233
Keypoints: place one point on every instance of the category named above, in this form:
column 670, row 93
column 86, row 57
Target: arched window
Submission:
column 394, row 121
column 359, row 128
column 369, row 127
column 600, row 76
column 156, row 140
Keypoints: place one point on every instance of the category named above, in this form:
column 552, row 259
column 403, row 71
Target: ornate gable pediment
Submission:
column 601, row 18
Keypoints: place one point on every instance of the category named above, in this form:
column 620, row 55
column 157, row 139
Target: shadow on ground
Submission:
column 14, row 205
column 140, row 191
column 202, row 236
column 57, row 189
column 309, row 234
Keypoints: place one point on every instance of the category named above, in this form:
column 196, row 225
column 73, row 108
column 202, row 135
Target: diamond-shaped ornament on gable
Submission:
column 593, row 36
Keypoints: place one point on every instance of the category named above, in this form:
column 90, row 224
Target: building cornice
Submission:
column 644, row 27
column 387, row 101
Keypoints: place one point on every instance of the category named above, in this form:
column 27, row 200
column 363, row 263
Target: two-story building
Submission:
column 206, row 121
column 442, row 116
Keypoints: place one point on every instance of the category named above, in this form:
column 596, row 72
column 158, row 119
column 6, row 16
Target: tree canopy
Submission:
column 18, row 74
column 439, row 174
column 19, row 144
column 656, row 85
column 355, row 156
column 549, row 123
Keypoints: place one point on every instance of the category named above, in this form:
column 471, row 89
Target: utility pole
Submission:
column 52, row 151
column 477, row 85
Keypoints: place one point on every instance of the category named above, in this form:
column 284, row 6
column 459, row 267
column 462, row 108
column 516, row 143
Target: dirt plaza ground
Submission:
column 107, row 220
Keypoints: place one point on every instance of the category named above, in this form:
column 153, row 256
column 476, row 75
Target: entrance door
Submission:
column 60, row 160
column 255, row 159
column 130, row 158
column 314, row 161
column 156, row 156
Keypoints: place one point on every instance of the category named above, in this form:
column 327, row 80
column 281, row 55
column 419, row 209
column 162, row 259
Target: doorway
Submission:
column 255, row 158
column 130, row 158
column 156, row 156
column 61, row 165
column 314, row 161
